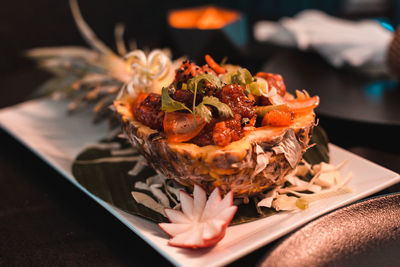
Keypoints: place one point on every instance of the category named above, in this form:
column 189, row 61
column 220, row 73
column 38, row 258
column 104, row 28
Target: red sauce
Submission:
column 220, row 131
column 233, row 95
column 205, row 137
column 227, row 131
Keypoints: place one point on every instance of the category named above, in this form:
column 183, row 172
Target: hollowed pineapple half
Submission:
column 261, row 159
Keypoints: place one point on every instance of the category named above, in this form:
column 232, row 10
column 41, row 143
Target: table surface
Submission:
column 45, row 220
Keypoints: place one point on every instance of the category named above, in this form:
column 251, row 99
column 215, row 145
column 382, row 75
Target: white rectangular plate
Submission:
column 43, row 126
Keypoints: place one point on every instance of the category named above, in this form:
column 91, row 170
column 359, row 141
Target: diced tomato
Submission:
column 277, row 118
column 180, row 127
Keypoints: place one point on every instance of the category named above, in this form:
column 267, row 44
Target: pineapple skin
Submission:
column 231, row 168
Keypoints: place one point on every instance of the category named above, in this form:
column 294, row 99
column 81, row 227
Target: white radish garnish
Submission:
column 201, row 223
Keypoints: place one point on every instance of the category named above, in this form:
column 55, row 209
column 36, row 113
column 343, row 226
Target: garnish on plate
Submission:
column 201, row 223
column 115, row 172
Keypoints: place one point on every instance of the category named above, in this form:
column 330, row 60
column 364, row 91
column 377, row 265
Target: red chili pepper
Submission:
column 214, row 65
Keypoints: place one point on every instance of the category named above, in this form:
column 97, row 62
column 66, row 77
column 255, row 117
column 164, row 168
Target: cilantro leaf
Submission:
column 168, row 104
column 196, row 84
column 203, row 112
column 223, row 109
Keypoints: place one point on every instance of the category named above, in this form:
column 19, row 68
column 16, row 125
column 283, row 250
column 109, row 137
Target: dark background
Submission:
column 26, row 24
column 46, row 221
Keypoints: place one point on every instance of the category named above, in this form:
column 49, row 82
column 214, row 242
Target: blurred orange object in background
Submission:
column 206, row 17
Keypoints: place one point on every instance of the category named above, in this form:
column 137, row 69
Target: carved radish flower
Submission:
column 201, row 223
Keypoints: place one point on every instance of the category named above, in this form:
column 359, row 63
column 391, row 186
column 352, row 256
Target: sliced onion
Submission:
column 180, row 127
column 305, row 105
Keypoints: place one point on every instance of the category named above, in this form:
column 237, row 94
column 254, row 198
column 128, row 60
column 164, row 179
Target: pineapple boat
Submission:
column 215, row 125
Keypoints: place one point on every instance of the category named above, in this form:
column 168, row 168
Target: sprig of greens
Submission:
column 244, row 78
column 170, row 105
column 223, row 109
column 197, row 85
column 205, row 113
column 257, row 87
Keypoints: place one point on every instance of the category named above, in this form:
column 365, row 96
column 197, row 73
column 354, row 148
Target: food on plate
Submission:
column 219, row 126
column 213, row 128
column 212, row 125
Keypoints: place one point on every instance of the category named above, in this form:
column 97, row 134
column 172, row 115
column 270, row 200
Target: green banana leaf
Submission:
column 106, row 175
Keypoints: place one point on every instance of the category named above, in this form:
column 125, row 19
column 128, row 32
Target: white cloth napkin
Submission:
column 361, row 44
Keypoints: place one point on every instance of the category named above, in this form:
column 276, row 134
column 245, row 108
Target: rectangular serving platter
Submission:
column 44, row 127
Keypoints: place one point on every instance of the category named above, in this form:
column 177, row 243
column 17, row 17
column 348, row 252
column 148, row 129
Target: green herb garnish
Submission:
column 205, row 113
column 223, row 109
column 197, row 85
column 170, row 105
